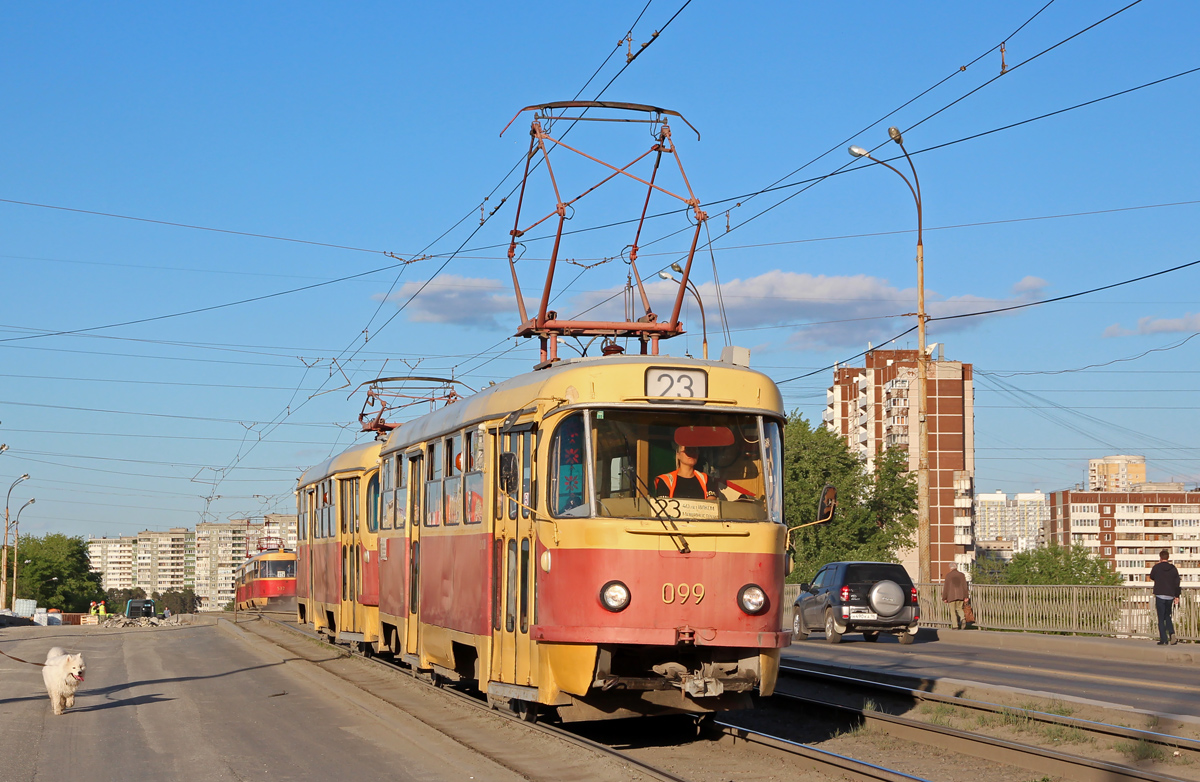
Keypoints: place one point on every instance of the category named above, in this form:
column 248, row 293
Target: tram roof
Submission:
column 593, row 381
column 353, row 459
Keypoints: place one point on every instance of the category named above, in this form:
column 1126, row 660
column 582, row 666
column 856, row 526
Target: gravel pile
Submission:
column 116, row 620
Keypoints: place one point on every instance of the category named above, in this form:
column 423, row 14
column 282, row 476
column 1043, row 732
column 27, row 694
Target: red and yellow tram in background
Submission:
column 268, row 579
column 520, row 539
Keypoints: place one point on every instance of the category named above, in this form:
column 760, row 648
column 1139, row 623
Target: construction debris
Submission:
column 117, row 620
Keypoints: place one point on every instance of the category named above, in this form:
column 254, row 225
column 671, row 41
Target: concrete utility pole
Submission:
column 4, row 553
column 923, row 542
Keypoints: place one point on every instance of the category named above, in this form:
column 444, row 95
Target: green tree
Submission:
column 179, row 601
column 115, row 600
column 1055, row 564
column 875, row 514
column 57, row 556
column 989, row 568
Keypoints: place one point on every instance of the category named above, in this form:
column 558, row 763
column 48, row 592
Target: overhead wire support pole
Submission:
column 923, row 521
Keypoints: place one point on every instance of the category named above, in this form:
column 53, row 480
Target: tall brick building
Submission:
column 1128, row 529
column 875, row 407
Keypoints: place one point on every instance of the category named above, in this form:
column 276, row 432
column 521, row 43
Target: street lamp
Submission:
column 925, row 576
column 16, row 543
column 692, row 288
column 4, row 553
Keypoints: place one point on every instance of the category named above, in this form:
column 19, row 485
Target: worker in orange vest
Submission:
column 685, row 481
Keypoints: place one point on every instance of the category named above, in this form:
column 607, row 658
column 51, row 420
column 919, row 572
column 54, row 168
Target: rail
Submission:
column 1119, row 611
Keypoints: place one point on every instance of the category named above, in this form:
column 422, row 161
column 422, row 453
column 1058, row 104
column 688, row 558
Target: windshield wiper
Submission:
column 667, row 523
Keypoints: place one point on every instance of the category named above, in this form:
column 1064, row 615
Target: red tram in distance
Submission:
column 268, row 579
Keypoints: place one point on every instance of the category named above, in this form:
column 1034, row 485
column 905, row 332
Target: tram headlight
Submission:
column 752, row 599
column 614, row 596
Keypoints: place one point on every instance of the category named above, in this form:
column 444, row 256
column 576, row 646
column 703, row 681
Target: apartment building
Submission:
column 874, row 408
column 115, row 560
column 221, row 546
column 151, row 560
column 1116, row 473
column 166, row 561
column 1128, row 529
column 281, row 527
column 1020, row 519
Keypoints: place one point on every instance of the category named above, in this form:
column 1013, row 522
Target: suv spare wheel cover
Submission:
column 886, row 598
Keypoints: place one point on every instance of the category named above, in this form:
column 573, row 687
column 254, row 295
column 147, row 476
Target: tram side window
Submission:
column 416, row 472
column 568, row 495
column 433, row 485
column 452, row 484
column 473, row 480
column 386, row 474
column 401, row 491
column 373, row 503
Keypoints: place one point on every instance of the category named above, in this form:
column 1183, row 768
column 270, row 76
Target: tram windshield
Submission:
column 277, row 568
column 667, row 464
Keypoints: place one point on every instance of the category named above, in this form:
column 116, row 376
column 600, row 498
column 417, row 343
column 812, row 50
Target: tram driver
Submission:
column 685, row 481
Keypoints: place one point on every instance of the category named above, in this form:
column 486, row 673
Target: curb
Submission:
column 1131, row 650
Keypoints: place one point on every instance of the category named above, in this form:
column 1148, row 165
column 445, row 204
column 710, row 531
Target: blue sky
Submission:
column 377, row 127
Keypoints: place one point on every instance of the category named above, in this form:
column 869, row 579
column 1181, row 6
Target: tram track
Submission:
column 1043, row 760
column 801, row 755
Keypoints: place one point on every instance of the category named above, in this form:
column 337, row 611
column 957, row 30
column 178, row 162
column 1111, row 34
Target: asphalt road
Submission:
column 195, row 703
column 1150, row 684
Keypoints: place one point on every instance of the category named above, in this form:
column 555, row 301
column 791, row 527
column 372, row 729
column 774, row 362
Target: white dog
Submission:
column 62, row 674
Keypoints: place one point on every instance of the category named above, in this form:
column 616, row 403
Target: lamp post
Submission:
column 692, row 288
column 925, row 576
column 16, row 543
column 4, row 553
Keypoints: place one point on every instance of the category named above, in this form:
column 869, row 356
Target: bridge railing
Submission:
column 1122, row 611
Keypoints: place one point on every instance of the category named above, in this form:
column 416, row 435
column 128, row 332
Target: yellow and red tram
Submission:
column 267, row 580
column 526, row 538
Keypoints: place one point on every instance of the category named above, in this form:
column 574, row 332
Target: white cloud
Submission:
column 1188, row 324
column 464, row 301
column 820, row 311
column 1031, row 286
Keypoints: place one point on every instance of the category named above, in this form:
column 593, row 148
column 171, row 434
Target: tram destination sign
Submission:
column 675, row 383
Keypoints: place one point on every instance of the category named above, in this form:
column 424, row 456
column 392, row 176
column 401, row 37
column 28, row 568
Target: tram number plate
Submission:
column 863, row 615
column 668, row 382
column 681, row 593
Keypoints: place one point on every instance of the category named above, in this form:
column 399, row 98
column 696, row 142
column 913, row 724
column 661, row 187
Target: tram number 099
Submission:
column 682, row 593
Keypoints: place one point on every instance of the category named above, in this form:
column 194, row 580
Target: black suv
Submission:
column 872, row 597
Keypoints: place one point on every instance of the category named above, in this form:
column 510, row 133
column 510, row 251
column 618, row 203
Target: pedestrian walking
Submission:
column 955, row 592
column 1166, row 595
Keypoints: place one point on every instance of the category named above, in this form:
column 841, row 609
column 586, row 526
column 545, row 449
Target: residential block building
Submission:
column 151, row 560
column 115, row 560
column 1128, row 529
column 874, row 407
column 1116, row 473
column 1021, row 519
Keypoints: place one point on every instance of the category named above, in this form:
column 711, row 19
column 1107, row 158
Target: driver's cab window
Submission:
column 687, row 465
column 819, row 581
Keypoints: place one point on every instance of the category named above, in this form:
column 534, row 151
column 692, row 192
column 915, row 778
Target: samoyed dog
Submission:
column 62, row 674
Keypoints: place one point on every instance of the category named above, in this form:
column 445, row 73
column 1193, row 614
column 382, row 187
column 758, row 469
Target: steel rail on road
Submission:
column 1091, row 726
column 474, row 702
column 1037, row 759
column 815, row 759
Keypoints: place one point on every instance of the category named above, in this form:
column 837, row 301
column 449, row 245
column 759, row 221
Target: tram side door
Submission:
column 513, row 559
column 416, row 516
column 351, row 553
